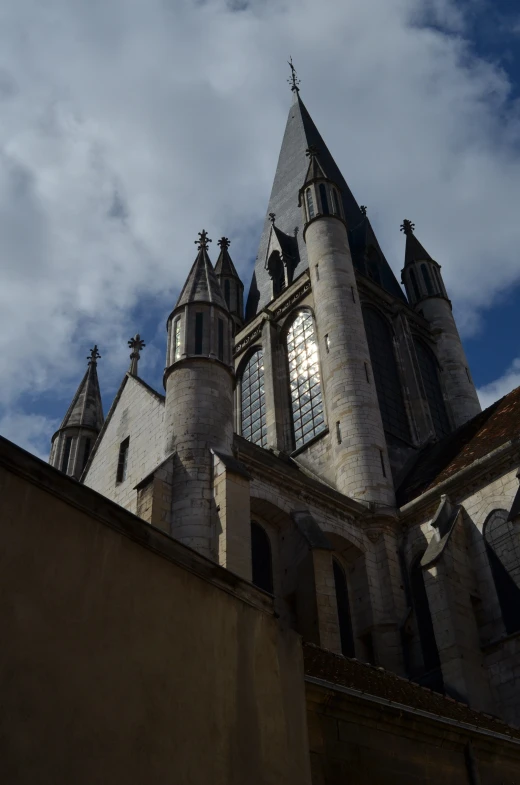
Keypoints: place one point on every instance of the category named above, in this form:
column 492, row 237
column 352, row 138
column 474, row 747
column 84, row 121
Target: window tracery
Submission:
column 252, row 400
column 304, row 377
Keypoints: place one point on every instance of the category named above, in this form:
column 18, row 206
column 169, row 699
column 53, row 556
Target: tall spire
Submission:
column 136, row 344
column 202, row 284
column 300, row 135
column 230, row 284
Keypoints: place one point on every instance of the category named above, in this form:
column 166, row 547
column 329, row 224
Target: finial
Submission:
column 407, row 227
column 224, row 243
column 293, row 80
column 94, row 356
column 136, row 344
column 272, row 217
column 203, row 241
column 363, row 209
column 311, row 152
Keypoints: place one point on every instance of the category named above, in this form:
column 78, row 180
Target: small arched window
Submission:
column 386, row 374
column 177, row 339
column 503, row 552
column 335, row 202
column 252, row 400
column 432, row 388
column 310, row 203
column 430, row 652
column 304, row 378
column 415, row 288
column 427, row 279
column 344, row 615
column 261, row 558
column 324, row 200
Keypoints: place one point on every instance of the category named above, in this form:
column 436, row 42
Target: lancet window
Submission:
column 432, row 388
column 386, row 374
column 304, row 377
column 252, row 400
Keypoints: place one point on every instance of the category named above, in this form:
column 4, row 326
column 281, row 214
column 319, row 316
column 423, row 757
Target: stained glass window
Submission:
column 432, row 388
column 386, row 374
column 304, row 377
column 252, row 400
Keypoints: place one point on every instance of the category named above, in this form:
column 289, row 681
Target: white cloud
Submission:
column 33, row 432
column 127, row 127
column 491, row 392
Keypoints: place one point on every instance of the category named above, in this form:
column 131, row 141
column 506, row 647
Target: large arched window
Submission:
column 432, row 387
column 252, row 400
column 344, row 617
column 503, row 551
column 304, row 378
column 430, row 652
column 386, row 374
column 261, row 558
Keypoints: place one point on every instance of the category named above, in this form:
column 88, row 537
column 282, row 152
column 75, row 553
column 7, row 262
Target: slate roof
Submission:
column 86, row 409
column 202, row 284
column 224, row 265
column 487, row 431
column 380, row 683
column 414, row 251
column 291, row 171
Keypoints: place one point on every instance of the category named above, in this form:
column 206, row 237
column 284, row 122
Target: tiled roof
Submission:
column 380, row 683
column 489, row 430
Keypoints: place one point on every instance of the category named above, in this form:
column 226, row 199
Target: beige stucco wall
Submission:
column 128, row 658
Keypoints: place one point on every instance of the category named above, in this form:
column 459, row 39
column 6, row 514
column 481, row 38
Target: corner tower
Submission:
column 199, row 382
column 426, row 292
column 74, row 439
column 360, row 454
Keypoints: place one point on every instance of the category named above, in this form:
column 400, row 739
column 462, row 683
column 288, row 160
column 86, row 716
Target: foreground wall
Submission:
column 126, row 657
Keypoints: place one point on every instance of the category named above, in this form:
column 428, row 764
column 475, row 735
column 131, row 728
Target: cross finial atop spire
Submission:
column 293, row 80
column 363, row 209
column 272, row 217
column 311, row 151
column 136, row 344
column 407, row 227
column 94, row 356
column 224, row 243
column 203, row 241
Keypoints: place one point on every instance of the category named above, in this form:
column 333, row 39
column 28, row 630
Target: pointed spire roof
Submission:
column 414, row 251
column 202, row 284
column 224, row 265
column 315, row 170
column 291, row 172
column 86, row 409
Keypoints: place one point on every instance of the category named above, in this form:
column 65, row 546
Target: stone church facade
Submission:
column 326, row 443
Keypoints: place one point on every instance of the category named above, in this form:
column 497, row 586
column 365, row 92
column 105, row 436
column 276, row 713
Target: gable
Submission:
column 136, row 414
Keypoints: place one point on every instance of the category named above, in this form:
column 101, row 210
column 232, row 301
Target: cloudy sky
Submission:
column 128, row 126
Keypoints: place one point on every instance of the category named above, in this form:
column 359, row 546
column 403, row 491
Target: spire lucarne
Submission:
column 72, row 442
column 300, row 135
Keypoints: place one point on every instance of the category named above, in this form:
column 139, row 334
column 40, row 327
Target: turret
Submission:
column 360, row 454
column 230, row 283
column 74, row 439
column 199, row 381
column 426, row 292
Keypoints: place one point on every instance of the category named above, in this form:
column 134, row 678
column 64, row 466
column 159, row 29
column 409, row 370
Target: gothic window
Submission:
column 335, row 202
column 310, row 203
column 304, row 378
column 66, row 454
column 427, row 279
column 261, row 559
column 386, row 374
column 430, row 652
column 122, row 462
column 227, row 293
column 415, row 288
column 503, row 552
column 220, row 339
column 177, row 339
column 277, row 273
column 199, row 332
column 432, row 388
column 344, row 618
column 252, row 400
column 324, row 200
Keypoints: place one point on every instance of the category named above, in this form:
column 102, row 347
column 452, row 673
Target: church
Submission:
column 321, row 443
